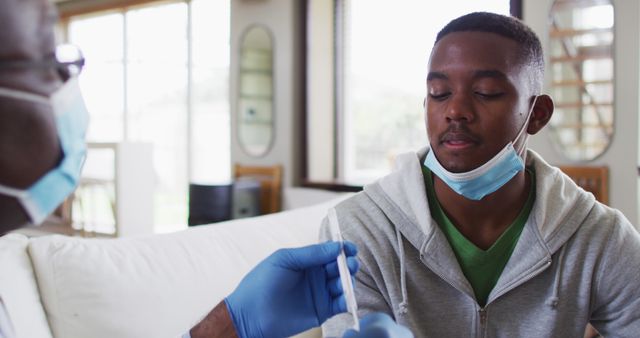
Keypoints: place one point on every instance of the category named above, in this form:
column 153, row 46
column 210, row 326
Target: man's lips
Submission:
column 458, row 140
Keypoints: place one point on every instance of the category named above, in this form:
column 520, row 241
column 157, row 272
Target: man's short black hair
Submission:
column 509, row 27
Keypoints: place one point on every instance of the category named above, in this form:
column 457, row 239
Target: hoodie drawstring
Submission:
column 402, row 307
column 553, row 301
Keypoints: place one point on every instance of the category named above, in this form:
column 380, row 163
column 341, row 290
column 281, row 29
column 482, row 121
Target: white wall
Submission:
column 282, row 18
column 622, row 155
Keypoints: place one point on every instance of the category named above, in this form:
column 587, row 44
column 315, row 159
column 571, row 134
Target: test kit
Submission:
column 343, row 269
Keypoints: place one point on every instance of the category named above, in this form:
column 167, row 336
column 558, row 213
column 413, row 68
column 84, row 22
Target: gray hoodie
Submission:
column 576, row 261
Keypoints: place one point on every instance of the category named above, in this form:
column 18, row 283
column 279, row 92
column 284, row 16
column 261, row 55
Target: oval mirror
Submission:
column 255, row 95
column 581, row 36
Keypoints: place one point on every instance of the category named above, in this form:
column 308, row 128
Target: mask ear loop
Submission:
column 524, row 128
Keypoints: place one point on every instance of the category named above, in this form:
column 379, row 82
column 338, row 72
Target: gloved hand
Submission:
column 378, row 325
column 291, row 291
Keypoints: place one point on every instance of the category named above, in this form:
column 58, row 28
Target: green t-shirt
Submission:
column 482, row 268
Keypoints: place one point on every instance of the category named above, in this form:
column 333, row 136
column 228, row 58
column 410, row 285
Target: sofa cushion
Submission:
column 18, row 289
column 157, row 286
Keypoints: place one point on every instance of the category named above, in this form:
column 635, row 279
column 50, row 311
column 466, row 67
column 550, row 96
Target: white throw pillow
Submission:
column 157, row 286
column 18, row 289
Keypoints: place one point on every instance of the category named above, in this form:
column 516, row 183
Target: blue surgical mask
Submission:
column 71, row 116
column 489, row 177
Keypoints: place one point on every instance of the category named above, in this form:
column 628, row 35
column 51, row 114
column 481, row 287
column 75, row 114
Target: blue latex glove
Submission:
column 291, row 291
column 379, row 325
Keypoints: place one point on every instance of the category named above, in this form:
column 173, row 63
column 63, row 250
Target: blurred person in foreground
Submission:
column 43, row 121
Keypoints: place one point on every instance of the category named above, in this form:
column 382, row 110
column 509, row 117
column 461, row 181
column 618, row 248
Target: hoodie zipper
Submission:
column 482, row 311
column 483, row 321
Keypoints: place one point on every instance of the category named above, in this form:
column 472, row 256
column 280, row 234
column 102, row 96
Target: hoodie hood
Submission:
column 556, row 215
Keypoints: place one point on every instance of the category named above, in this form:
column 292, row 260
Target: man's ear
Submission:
column 541, row 114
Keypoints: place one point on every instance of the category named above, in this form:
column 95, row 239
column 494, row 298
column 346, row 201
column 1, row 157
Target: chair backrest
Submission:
column 270, row 179
column 592, row 179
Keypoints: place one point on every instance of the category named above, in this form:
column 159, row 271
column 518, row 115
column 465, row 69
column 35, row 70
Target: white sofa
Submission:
column 156, row 286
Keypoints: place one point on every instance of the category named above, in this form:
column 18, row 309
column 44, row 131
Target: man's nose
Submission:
column 460, row 108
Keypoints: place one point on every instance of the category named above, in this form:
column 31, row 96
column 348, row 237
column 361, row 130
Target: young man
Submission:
column 42, row 147
column 476, row 235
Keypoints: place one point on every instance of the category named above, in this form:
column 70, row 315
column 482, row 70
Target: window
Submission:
column 168, row 86
column 383, row 58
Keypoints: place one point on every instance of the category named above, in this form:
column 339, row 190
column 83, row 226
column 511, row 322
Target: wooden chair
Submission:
column 270, row 179
column 592, row 179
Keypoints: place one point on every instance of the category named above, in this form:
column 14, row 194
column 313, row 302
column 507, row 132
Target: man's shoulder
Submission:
column 357, row 210
column 362, row 220
column 606, row 228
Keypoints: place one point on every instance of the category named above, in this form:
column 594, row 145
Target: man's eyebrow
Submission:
column 436, row 75
column 496, row 74
column 485, row 73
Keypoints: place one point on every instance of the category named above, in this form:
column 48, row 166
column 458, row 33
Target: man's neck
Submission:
column 482, row 222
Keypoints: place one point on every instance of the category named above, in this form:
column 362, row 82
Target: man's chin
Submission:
column 458, row 166
column 458, row 161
